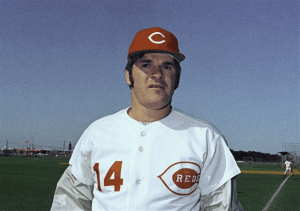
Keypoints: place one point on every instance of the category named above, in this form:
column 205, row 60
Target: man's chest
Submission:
column 148, row 166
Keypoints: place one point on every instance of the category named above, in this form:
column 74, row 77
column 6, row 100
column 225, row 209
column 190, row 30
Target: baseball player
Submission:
column 288, row 166
column 150, row 156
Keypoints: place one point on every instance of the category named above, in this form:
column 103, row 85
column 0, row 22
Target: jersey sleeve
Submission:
column 219, row 166
column 81, row 159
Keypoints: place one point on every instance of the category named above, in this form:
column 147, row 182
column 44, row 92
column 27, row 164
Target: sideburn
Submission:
column 131, row 80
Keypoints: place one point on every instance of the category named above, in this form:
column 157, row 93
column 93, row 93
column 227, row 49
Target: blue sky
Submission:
column 62, row 67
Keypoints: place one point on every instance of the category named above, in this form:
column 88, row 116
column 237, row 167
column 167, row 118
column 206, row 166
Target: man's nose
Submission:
column 157, row 72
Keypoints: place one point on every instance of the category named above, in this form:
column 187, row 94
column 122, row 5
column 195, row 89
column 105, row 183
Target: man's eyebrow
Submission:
column 149, row 61
column 146, row 60
column 169, row 63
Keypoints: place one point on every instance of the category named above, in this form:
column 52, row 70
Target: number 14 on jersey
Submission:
column 115, row 169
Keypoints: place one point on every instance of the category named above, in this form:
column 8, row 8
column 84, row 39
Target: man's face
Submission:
column 154, row 77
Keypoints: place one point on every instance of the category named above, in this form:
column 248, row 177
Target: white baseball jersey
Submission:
column 165, row 165
column 288, row 164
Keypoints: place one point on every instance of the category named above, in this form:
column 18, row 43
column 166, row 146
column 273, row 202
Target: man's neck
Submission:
column 143, row 114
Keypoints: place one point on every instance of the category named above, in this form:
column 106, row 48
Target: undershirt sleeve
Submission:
column 224, row 198
column 218, row 199
column 71, row 194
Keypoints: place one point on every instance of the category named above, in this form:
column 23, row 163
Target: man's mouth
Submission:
column 156, row 86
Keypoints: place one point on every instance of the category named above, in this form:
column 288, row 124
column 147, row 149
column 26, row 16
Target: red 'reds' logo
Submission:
column 181, row 178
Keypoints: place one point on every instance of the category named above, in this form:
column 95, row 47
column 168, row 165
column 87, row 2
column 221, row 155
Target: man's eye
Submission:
column 145, row 65
column 167, row 67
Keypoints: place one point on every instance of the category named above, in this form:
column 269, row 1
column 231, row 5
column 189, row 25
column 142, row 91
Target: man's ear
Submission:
column 127, row 77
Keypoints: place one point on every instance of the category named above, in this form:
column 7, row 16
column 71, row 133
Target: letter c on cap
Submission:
column 156, row 42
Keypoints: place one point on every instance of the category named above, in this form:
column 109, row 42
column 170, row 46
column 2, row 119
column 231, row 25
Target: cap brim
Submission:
column 178, row 56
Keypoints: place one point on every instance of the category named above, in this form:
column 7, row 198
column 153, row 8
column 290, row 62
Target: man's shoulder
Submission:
column 188, row 120
column 109, row 118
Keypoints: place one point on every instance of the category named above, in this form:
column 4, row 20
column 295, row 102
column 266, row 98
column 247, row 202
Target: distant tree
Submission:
column 265, row 157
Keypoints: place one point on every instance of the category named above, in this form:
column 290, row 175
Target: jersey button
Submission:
column 138, row 181
column 143, row 134
column 141, row 149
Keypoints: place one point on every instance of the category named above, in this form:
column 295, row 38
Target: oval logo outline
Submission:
column 173, row 170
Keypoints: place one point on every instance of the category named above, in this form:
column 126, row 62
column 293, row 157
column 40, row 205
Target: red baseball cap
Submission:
column 155, row 40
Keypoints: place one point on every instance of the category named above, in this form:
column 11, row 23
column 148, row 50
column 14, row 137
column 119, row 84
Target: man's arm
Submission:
column 224, row 198
column 235, row 205
column 71, row 194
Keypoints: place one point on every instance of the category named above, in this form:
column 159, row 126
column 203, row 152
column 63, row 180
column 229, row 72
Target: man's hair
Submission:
column 133, row 59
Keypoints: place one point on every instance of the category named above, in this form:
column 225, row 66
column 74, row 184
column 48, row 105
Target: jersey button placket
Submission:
column 141, row 149
column 141, row 173
column 143, row 134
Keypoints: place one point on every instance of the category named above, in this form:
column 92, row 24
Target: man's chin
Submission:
column 158, row 105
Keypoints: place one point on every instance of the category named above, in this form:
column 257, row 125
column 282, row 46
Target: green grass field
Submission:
column 255, row 190
column 265, row 167
column 28, row 183
column 288, row 198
